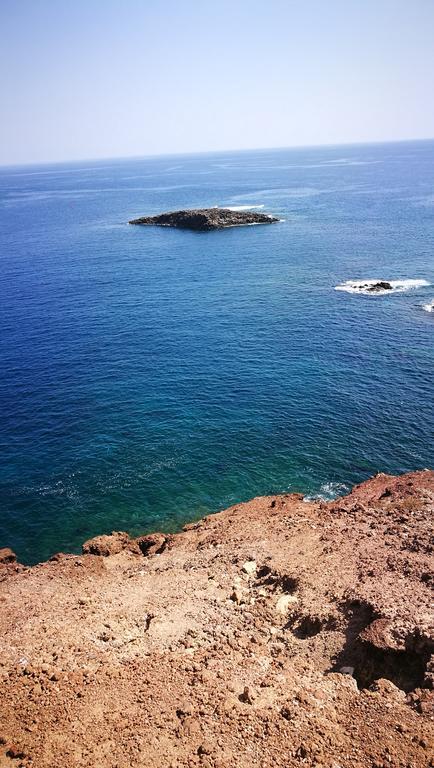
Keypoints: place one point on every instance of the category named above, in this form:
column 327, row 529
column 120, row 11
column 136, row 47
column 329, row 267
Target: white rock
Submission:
column 249, row 567
column 284, row 602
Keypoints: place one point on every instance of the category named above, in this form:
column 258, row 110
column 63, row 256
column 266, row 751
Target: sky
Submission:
column 86, row 79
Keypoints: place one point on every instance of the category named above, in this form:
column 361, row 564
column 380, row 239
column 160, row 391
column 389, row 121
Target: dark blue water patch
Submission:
column 150, row 376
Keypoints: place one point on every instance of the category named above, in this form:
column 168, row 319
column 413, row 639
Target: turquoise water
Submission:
column 150, row 376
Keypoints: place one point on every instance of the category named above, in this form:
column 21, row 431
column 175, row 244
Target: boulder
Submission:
column 109, row 545
column 7, row 556
column 153, row 544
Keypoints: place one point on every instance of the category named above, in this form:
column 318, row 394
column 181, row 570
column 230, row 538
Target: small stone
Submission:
column 237, row 596
column 249, row 567
column 284, row 602
column 347, row 671
column 248, row 695
column 14, row 752
column 302, row 752
column 206, row 748
column 185, row 709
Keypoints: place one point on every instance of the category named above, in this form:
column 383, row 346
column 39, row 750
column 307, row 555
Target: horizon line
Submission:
column 39, row 163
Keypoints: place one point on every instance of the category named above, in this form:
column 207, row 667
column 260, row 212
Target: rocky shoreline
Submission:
column 278, row 633
column 205, row 219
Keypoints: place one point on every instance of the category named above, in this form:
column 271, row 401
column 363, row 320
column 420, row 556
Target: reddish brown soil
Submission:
column 278, row 633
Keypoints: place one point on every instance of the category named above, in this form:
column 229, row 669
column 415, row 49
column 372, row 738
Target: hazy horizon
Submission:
column 228, row 150
column 89, row 82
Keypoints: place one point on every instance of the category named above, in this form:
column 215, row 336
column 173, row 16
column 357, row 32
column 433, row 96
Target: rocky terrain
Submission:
column 205, row 219
column 382, row 285
column 276, row 634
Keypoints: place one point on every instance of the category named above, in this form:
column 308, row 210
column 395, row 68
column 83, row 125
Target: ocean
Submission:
column 151, row 376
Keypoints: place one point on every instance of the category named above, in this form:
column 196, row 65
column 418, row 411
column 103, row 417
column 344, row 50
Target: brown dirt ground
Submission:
column 278, row 633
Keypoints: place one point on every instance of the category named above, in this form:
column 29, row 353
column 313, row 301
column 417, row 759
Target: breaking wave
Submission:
column 366, row 286
column 428, row 307
column 328, row 492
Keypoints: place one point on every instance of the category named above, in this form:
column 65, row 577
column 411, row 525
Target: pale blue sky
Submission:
column 105, row 78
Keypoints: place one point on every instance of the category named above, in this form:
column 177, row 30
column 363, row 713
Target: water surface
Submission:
column 150, row 376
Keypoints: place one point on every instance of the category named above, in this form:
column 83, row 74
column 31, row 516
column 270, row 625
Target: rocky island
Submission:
column 205, row 219
column 381, row 285
column 277, row 634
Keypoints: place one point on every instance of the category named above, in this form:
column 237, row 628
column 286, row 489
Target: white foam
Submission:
column 248, row 224
column 428, row 307
column 328, row 492
column 362, row 286
column 241, row 207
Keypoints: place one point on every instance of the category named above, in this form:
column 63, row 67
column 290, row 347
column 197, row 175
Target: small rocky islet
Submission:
column 381, row 285
column 205, row 219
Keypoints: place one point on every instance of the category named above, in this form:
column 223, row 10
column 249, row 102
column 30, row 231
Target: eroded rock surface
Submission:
column 277, row 633
column 205, row 219
column 382, row 285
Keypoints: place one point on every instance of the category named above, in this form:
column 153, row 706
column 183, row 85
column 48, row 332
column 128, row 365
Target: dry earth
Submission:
column 278, row 633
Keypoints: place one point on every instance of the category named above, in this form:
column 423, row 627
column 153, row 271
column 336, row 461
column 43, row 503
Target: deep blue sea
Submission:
column 150, row 376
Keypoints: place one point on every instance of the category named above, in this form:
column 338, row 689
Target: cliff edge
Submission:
column 277, row 633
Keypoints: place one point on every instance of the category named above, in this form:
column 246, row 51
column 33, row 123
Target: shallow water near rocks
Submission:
column 151, row 376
